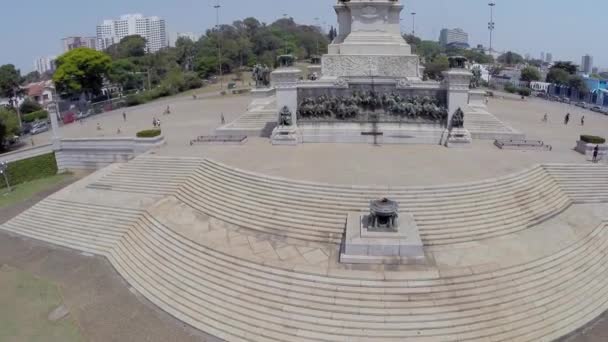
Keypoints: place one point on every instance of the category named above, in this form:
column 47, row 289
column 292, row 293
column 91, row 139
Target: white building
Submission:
column 45, row 64
column 454, row 37
column 153, row 29
column 71, row 43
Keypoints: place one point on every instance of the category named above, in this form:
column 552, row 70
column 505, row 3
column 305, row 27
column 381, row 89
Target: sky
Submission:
column 568, row 29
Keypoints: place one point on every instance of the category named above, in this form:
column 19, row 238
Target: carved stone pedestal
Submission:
column 286, row 135
column 364, row 246
column 458, row 138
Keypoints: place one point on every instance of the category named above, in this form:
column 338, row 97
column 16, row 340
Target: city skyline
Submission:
column 432, row 16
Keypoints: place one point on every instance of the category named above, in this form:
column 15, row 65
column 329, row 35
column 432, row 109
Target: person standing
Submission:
column 223, row 119
column 546, row 118
column 596, row 152
column 124, row 116
column 567, row 119
column 583, row 121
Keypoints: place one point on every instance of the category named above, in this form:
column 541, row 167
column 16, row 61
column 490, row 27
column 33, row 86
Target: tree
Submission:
column 434, row 70
column 558, row 76
column 29, row 106
column 31, row 77
column 124, row 73
column 566, row 66
column 186, row 52
column 530, row 74
column 10, row 79
column 478, row 57
column 81, row 71
column 128, row 47
column 510, row 58
column 9, row 125
column 578, row 83
column 428, row 49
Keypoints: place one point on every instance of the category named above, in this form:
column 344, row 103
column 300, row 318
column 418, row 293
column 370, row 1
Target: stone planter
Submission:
column 587, row 149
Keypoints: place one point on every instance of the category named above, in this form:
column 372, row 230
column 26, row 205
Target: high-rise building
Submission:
column 454, row 38
column 71, row 43
column 587, row 64
column 549, row 58
column 151, row 28
column 542, row 56
column 45, row 64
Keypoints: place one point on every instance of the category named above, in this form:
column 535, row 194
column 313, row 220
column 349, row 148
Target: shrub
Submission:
column 592, row 139
column 149, row 133
column 35, row 116
column 134, row 100
column 509, row 88
column 524, row 91
column 30, row 169
column 29, row 106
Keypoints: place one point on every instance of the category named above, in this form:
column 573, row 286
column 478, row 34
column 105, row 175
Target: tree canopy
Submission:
column 510, row 58
column 530, row 74
column 558, row 76
column 9, row 125
column 566, row 66
column 129, row 46
column 81, row 71
column 10, row 79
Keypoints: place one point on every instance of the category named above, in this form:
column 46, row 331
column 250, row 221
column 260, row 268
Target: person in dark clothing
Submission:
column 596, row 152
column 567, row 119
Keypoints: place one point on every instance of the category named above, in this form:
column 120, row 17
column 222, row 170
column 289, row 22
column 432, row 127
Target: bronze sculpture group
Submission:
column 359, row 105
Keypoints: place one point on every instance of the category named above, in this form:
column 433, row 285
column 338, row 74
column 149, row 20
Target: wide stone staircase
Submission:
column 317, row 212
column 238, row 300
column 85, row 227
column 485, row 126
column 258, row 121
column 149, row 175
column 584, row 183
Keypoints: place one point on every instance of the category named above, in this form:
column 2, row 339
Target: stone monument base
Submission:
column 459, row 137
column 286, row 135
column 370, row 133
column 257, row 93
column 362, row 246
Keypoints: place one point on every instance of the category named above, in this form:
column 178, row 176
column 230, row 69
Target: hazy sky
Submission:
column 566, row 28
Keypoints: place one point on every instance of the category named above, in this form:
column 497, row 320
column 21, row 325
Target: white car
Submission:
column 39, row 128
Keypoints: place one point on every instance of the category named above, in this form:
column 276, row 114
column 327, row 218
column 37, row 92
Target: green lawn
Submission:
column 25, row 302
column 24, row 191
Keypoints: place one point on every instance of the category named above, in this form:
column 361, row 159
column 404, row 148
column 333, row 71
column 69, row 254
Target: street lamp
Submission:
column 491, row 24
column 4, row 172
column 413, row 23
column 219, row 43
column 317, row 36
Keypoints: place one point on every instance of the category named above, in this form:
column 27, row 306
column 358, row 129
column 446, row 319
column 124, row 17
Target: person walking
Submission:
column 124, row 116
column 222, row 119
column 567, row 119
column 583, row 121
column 546, row 118
column 596, row 152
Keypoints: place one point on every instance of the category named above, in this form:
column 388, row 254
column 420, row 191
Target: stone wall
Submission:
column 96, row 153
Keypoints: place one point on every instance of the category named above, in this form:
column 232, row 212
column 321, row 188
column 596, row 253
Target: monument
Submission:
column 384, row 236
column 369, row 88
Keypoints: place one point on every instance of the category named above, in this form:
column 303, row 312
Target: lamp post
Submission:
column 219, row 43
column 4, row 172
column 414, row 24
column 317, row 36
column 491, row 24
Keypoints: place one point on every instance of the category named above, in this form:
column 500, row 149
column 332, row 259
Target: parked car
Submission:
column 84, row 115
column 596, row 109
column 39, row 127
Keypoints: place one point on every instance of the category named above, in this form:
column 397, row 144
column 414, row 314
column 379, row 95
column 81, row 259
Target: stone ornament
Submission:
column 261, row 75
column 458, row 119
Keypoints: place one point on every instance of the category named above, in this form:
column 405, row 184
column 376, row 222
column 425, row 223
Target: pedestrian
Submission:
column 154, row 121
column 546, row 118
column 596, row 152
column 118, row 131
column 98, row 126
column 223, row 119
column 124, row 116
column 583, row 121
column 167, row 111
column 567, row 119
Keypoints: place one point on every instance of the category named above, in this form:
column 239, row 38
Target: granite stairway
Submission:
column 317, row 212
column 258, row 121
column 90, row 228
column 149, row 175
column 584, row 183
column 238, row 300
column 485, row 126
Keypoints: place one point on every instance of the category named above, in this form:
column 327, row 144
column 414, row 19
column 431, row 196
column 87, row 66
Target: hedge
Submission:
column 149, row 133
column 35, row 116
column 592, row 139
column 30, row 169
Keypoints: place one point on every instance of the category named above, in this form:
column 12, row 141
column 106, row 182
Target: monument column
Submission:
column 457, row 81
column 285, row 81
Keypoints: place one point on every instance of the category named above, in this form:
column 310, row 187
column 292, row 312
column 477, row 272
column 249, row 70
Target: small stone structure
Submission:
column 219, row 140
column 522, row 145
column 585, row 148
column 384, row 236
